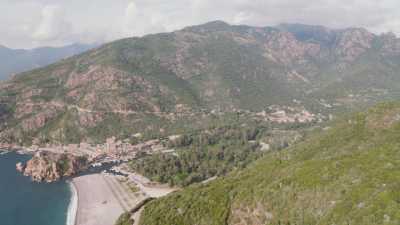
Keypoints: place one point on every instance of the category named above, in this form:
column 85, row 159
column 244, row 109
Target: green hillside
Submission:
column 345, row 174
column 172, row 82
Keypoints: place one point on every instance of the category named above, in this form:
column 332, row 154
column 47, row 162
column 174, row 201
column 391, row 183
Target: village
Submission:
column 112, row 150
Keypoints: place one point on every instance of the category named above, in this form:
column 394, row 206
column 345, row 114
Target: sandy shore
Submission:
column 97, row 205
column 102, row 198
column 73, row 205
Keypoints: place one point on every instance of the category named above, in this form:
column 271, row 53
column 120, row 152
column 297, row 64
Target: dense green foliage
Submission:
column 346, row 174
column 124, row 219
column 202, row 155
column 63, row 164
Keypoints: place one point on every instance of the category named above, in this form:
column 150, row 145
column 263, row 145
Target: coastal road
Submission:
column 154, row 191
column 126, row 197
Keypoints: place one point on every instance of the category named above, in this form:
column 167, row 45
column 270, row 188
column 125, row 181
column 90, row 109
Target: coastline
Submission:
column 73, row 204
column 72, row 209
column 39, row 203
column 112, row 196
column 95, row 206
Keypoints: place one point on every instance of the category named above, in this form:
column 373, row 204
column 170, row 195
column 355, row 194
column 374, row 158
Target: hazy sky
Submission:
column 32, row 23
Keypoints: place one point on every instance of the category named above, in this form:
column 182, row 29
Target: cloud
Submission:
column 131, row 15
column 31, row 23
column 52, row 24
column 138, row 22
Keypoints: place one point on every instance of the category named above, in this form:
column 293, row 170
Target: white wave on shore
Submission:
column 73, row 205
column 3, row 152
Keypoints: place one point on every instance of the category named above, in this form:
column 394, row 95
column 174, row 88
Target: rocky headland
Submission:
column 50, row 167
column 53, row 162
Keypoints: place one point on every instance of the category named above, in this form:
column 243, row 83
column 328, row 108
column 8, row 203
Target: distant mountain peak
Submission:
column 18, row 60
column 304, row 32
column 216, row 25
column 303, row 26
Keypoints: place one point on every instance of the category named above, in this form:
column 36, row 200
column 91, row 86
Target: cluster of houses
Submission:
column 287, row 114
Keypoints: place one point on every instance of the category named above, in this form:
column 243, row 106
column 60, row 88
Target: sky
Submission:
column 34, row 23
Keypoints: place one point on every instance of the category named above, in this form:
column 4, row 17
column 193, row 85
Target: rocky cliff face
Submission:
column 49, row 167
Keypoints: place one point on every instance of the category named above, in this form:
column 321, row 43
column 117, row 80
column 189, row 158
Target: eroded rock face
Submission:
column 283, row 47
column 50, row 167
column 38, row 121
column 353, row 43
column 89, row 119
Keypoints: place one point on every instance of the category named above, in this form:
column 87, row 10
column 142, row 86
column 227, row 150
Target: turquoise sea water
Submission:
column 23, row 202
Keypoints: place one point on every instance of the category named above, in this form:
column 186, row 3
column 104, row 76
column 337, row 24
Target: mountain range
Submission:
column 165, row 83
column 15, row 61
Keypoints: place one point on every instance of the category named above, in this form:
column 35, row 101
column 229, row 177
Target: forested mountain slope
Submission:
column 165, row 82
column 345, row 174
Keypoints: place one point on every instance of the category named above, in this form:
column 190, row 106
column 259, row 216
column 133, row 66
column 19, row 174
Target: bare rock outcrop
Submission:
column 353, row 43
column 20, row 167
column 50, row 167
column 283, row 47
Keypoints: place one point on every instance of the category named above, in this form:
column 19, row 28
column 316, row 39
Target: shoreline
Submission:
column 39, row 203
column 96, row 202
column 73, row 204
column 104, row 204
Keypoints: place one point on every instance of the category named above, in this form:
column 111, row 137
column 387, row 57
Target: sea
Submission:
column 23, row 202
